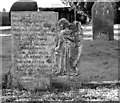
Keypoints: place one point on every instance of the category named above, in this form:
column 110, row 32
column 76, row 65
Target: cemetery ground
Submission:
column 99, row 62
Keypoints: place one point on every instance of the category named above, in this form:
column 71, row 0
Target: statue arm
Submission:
column 60, row 43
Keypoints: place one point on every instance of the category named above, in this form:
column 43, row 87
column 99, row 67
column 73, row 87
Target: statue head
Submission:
column 63, row 23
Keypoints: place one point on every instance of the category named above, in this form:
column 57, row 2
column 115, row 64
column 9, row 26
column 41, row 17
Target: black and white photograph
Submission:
column 59, row 51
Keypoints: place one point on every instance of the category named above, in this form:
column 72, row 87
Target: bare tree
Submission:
column 3, row 10
column 76, row 5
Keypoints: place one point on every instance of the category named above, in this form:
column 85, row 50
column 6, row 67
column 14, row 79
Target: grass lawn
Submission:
column 99, row 60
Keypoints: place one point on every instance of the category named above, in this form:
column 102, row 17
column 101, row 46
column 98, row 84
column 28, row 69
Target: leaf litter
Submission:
column 100, row 93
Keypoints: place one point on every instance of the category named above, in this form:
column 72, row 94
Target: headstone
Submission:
column 103, row 20
column 33, row 43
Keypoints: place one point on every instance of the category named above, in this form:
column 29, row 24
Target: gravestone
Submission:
column 33, row 43
column 103, row 20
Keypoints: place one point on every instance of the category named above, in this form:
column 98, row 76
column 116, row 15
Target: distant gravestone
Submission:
column 33, row 43
column 103, row 20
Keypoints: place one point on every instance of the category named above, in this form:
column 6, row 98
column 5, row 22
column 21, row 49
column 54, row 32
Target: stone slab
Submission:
column 103, row 20
column 33, row 43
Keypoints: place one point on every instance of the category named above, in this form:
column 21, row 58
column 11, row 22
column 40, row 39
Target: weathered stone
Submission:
column 29, row 83
column 33, row 44
column 25, row 5
column 65, row 82
column 103, row 20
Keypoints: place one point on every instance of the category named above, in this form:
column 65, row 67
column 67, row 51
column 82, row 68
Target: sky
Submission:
column 41, row 3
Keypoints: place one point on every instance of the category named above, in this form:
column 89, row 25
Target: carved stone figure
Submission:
column 75, row 45
column 68, row 47
column 61, row 46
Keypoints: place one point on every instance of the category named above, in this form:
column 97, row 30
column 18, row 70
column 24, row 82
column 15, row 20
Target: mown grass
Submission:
column 99, row 59
column 99, row 62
